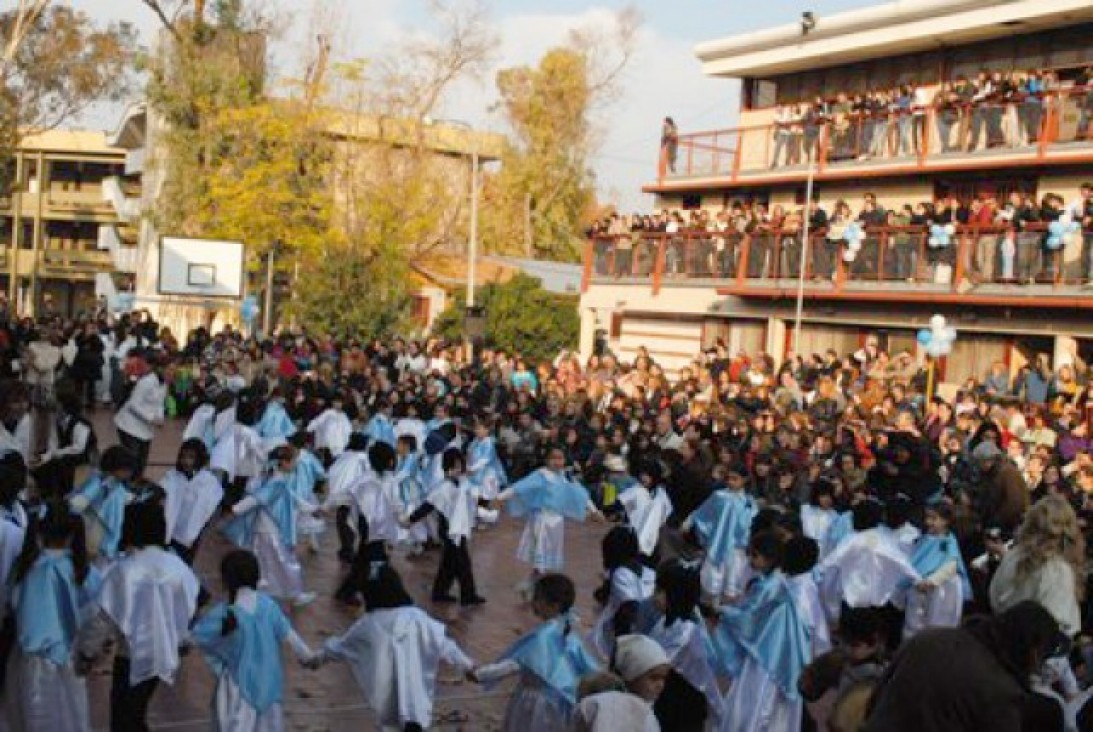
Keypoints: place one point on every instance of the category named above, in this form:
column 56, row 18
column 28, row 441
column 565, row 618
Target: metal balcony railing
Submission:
column 896, row 263
column 1056, row 125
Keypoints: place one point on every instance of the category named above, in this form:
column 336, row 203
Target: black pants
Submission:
column 138, row 447
column 346, row 537
column 368, row 553
column 56, row 478
column 188, row 554
column 129, row 704
column 455, row 565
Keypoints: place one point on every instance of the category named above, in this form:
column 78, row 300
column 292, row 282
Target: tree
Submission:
column 551, row 110
column 521, row 317
column 55, row 64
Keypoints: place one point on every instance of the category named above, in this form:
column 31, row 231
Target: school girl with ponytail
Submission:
column 241, row 640
column 550, row 661
column 53, row 592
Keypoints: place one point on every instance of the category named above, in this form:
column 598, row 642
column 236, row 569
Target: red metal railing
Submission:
column 975, row 256
column 1028, row 127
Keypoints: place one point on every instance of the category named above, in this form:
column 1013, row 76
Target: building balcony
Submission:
column 981, row 266
column 125, row 256
column 88, row 201
column 1020, row 133
column 127, row 207
column 74, row 262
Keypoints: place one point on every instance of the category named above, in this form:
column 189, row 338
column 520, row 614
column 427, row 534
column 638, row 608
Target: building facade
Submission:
column 958, row 104
column 64, row 223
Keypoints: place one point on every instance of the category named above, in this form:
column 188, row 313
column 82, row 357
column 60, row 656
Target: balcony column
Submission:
column 588, row 333
column 776, row 339
column 16, row 229
column 39, row 234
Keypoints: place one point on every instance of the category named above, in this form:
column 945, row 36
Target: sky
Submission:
column 664, row 77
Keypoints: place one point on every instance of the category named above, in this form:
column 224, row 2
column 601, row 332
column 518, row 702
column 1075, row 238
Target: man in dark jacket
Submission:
column 1002, row 495
column 971, row 679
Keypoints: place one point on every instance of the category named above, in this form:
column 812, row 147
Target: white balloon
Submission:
column 850, row 255
column 934, row 242
column 948, row 335
column 935, row 349
column 937, row 322
column 855, row 244
column 950, row 229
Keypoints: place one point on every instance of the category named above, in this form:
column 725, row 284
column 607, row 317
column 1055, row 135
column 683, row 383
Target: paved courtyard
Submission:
column 328, row 699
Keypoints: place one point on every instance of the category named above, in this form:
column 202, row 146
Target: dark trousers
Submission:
column 138, row 447
column 368, row 554
column 455, row 565
column 346, row 537
column 129, row 704
column 188, row 554
column 56, row 478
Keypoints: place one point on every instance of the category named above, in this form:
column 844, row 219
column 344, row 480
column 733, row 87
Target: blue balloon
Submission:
column 1054, row 242
column 925, row 336
column 1073, row 227
column 1056, row 228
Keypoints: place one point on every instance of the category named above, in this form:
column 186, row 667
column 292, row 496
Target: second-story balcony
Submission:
column 1053, row 128
column 978, row 265
column 114, row 192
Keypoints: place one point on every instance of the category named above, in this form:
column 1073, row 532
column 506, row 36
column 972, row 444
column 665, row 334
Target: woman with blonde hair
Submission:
column 1046, row 564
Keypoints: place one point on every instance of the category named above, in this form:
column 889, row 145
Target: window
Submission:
column 421, row 310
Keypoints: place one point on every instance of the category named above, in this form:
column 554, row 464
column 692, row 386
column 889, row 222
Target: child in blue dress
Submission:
column 102, row 500
column 241, row 639
column 54, row 589
column 550, row 661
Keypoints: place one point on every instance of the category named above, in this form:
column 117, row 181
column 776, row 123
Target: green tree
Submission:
column 520, row 317
column 54, row 63
column 546, row 182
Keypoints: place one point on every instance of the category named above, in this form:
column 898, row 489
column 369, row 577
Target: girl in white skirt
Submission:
column 53, row 594
column 550, row 661
column 307, row 473
column 546, row 498
column 265, row 523
column 241, row 640
column 484, row 468
column 937, row 600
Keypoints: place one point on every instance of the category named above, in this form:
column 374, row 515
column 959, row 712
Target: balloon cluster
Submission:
column 938, row 339
column 853, row 235
column 249, row 309
column 941, row 235
column 1061, row 231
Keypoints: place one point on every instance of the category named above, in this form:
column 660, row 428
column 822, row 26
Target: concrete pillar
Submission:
column 776, row 339
column 588, row 333
column 1065, row 348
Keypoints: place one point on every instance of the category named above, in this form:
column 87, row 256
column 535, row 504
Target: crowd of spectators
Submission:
column 1008, row 239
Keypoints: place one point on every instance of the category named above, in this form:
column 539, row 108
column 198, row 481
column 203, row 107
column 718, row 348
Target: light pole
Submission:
column 472, row 244
column 804, row 254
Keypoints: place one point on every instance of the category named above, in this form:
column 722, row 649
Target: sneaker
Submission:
column 303, row 599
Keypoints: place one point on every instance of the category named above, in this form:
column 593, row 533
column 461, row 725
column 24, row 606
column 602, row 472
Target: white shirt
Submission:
column 143, row 409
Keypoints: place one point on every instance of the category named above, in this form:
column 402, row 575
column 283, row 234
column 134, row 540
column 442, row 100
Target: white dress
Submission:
column 55, row 695
column 332, row 430
column 867, row 569
column 685, row 644
column 754, row 703
column 806, row 596
column 542, row 543
column 394, row 655
column 939, row 607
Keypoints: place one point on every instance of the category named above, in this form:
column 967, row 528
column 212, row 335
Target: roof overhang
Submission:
column 132, row 129
column 905, row 26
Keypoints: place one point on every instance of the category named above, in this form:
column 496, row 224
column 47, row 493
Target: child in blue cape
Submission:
column 241, row 639
column 53, row 594
column 546, row 498
column 275, row 427
column 265, row 523
column 411, row 493
column 102, row 500
column 550, row 661
column 722, row 525
column 764, row 646
column 819, row 513
column 379, row 427
column 485, row 469
column 394, row 651
column 937, row 600
column 307, row 474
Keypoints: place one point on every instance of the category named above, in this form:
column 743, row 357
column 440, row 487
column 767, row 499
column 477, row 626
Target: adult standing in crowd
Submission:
column 142, row 411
